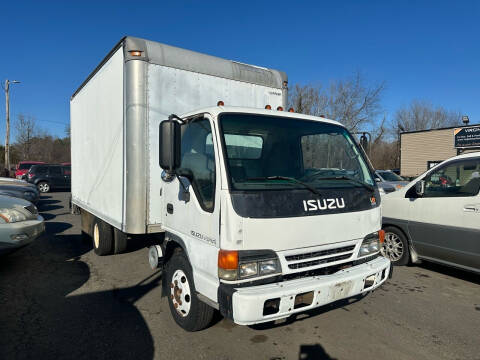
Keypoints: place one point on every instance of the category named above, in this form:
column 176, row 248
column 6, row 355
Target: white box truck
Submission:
column 257, row 212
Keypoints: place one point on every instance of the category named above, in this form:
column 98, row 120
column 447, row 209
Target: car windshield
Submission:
column 273, row 152
column 389, row 176
column 24, row 166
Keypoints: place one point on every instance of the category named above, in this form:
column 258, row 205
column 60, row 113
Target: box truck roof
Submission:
column 161, row 54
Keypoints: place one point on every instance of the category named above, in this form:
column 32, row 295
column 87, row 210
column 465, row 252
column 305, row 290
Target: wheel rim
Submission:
column 180, row 293
column 96, row 236
column 392, row 247
column 43, row 187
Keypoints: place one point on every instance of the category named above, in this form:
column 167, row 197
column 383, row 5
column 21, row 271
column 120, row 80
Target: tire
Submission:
column 102, row 237
column 395, row 247
column 187, row 310
column 119, row 241
column 43, row 187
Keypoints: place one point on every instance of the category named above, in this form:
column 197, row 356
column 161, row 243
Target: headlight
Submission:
column 238, row 265
column 371, row 243
column 29, row 194
column 269, row 267
column 248, row 270
column 12, row 215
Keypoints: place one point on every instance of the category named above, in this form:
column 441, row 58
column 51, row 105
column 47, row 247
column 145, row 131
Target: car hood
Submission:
column 16, row 188
column 393, row 184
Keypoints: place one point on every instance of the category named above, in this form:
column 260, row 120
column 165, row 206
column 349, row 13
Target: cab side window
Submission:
column 457, row 179
column 198, row 160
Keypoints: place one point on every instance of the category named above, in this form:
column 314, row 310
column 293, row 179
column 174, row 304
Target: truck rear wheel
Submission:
column 187, row 310
column 102, row 236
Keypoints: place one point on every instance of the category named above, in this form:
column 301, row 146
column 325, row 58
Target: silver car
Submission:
column 20, row 223
column 389, row 181
column 20, row 191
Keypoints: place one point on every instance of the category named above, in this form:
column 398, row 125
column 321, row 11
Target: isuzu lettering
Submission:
column 255, row 211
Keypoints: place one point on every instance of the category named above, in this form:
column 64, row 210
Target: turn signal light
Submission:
column 381, row 236
column 228, row 259
column 220, row 103
column 279, row 108
column 268, row 107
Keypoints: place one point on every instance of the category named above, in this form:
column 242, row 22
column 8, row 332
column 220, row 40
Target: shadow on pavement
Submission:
column 313, row 352
column 450, row 271
column 48, row 312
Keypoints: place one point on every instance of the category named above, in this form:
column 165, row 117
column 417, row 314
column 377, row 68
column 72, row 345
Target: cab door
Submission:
column 444, row 224
column 191, row 209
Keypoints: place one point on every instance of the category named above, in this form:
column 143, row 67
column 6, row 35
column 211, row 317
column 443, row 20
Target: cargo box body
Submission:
column 116, row 112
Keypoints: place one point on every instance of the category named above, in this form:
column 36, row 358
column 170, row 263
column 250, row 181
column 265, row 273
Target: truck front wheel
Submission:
column 187, row 310
column 102, row 236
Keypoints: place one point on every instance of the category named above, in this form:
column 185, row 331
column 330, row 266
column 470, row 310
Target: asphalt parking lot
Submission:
column 59, row 300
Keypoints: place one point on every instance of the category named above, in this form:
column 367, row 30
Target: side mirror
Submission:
column 169, row 145
column 378, row 179
column 420, row 188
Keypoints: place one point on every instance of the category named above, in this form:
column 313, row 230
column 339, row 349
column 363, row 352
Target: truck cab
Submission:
column 274, row 213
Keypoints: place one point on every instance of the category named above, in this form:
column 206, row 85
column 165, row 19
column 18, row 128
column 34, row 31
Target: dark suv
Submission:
column 48, row 177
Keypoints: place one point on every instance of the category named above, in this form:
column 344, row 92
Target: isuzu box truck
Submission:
column 255, row 211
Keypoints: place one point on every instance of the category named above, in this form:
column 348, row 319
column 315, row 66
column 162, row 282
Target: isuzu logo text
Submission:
column 324, row 204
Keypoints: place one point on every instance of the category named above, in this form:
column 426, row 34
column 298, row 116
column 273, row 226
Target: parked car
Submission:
column 47, row 177
column 29, row 193
column 23, row 167
column 437, row 216
column 389, row 181
column 20, row 224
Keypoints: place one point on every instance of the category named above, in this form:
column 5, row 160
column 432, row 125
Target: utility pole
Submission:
column 7, row 112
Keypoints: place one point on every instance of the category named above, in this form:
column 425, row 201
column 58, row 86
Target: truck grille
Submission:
column 315, row 258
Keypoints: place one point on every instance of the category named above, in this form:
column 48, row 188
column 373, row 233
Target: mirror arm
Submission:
column 173, row 116
column 185, row 190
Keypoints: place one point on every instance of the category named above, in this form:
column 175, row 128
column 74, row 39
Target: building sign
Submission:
column 431, row 164
column 467, row 137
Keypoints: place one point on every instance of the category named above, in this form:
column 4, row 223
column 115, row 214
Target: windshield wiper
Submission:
column 344, row 177
column 277, row 177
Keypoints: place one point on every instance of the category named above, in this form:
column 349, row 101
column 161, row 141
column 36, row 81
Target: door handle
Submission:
column 170, row 208
column 472, row 208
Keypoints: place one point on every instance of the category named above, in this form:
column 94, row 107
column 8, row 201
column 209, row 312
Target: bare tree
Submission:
column 26, row 131
column 308, row 99
column 422, row 115
column 351, row 101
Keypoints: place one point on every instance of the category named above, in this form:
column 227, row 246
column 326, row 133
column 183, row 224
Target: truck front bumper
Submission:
column 257, row 304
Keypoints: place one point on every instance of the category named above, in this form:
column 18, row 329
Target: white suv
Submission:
column 436, row 217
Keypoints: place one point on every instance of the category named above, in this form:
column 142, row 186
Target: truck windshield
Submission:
column 268, row 152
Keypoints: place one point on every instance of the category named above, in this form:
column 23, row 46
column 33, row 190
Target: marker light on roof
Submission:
column 220, row 103
column 279, row 108
column 135, row 52
column 268, row 107
column 291, row 110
